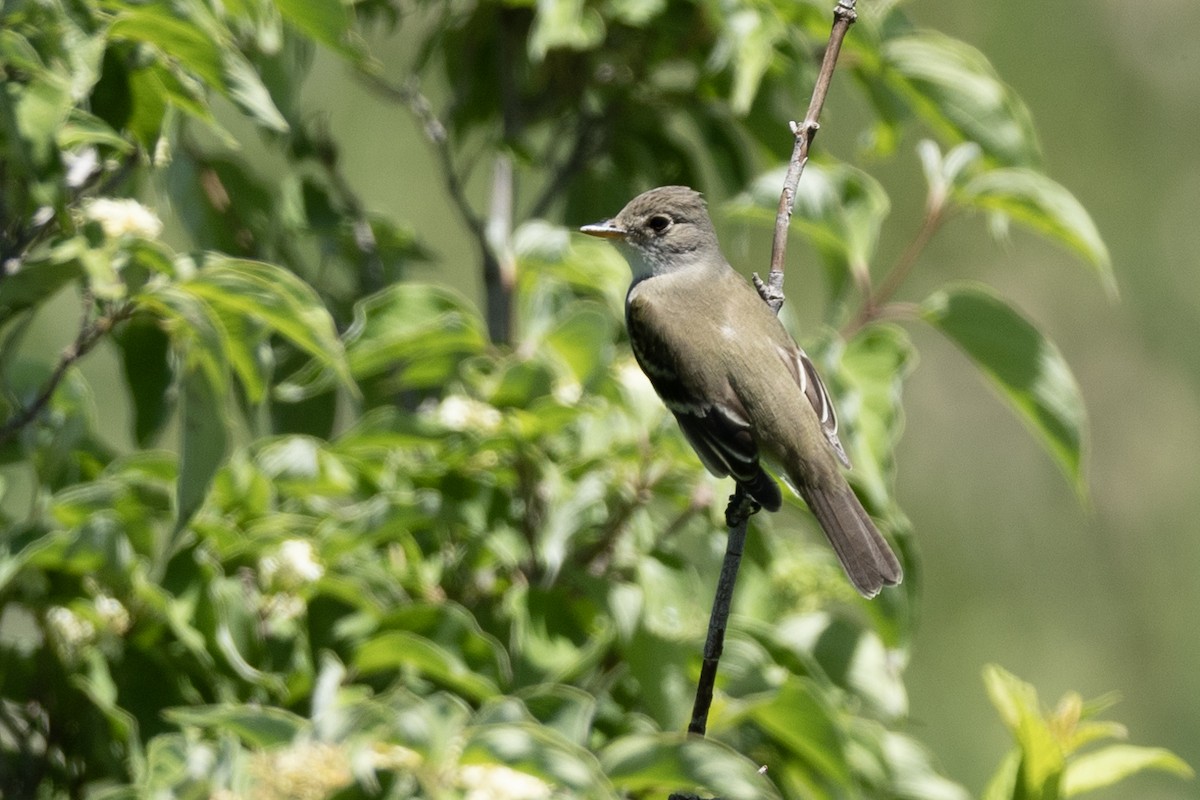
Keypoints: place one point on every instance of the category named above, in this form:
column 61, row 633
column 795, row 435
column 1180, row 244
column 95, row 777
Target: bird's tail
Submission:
column 865, row 555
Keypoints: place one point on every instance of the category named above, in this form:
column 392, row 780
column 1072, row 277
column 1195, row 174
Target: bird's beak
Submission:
column 608, row 229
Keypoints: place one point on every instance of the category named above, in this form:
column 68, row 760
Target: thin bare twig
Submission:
column 740, row 507
column 875, row 303
column 803, row 134
column 90, row 334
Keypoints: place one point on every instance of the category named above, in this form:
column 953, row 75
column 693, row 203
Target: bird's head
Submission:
column 662, row 230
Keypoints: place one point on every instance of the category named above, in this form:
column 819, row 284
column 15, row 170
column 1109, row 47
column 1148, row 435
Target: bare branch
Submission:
column 803, row 134
column 876, row 302
column 90, row 334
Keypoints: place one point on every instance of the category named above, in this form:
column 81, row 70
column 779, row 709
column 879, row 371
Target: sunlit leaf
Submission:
column 839, row 208
column 954, row 88
column 397, row 650
column 1042, row 757
column 566, row 24
column 1026, row 367
column 1030, row 197
column 259, row 726
column 174, row 36
column 538, row 751
column 1115, row 763
column 277, row 298
column 800, row 718
column 667, row 763
column 326, row 21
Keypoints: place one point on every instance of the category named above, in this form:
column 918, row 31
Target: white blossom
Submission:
column 292, row 566
column 121, row 217
column 465, row 413
column 113, row 614
column 498, row 782
column 68, row 631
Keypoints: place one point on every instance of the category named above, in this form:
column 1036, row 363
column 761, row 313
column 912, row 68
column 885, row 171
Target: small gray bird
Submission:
column 738, row 384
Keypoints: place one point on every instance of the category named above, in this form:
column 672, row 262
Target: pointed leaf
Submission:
column 326, row 21
column 277, row 298
column 1115, row 763
column 145, row 356
column 954, row 88
column 396, row 650
column 258, row 726
column 1030, row 197
column 204, row 437
column 1024, row 365
column 644, row 763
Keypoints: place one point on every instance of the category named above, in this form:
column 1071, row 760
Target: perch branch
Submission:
column 737, row 516
column 741, row 507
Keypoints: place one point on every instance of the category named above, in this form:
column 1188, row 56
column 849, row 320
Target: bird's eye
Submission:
column 659, row 223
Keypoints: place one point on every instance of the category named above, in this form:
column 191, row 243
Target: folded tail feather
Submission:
column 865, row 555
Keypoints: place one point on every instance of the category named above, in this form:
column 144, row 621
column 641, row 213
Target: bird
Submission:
column 743, row 392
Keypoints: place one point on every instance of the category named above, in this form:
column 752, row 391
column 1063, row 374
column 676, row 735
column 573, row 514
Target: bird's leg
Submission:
column 741, row 507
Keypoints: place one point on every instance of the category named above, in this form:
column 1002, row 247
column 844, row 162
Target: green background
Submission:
column 1015, row 571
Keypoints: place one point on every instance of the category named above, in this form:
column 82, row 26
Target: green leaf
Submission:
column 582, row 341
column 749, row 37
column 954, row 88
column 420, row 330
column 145, row 351
column 36, row 282
column 1030, row 197
column 175, row 37
column 278, row 299
column 257, row 726
column 538, row 751
column 246, row 89
column 204, row 437
column 1027, row 368
column 395, row 650
column 564, row 24
column 644, row 763
column 1042, row 757
column 870, row 378
column 1115, row 763
column 801, row 720
column 326, row 21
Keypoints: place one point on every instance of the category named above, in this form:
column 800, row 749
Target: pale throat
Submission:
column 646, row 264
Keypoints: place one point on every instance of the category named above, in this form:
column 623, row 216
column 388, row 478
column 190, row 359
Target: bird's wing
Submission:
column 804, row 372
column 708, row 410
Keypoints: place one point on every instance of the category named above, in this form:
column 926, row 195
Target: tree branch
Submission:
column 803, row 134
column 876, row 303
column 741, row 507
column 90, row 334
column 737, row 516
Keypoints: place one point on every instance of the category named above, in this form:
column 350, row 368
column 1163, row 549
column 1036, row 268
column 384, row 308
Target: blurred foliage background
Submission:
column 1011, row 568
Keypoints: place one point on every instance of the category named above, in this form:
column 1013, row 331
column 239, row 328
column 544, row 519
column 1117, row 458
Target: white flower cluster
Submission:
column 68, row 632
column 290, row 567
column 113, row 614
column 498, row 782
column 460, row 413
column 121, row 217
